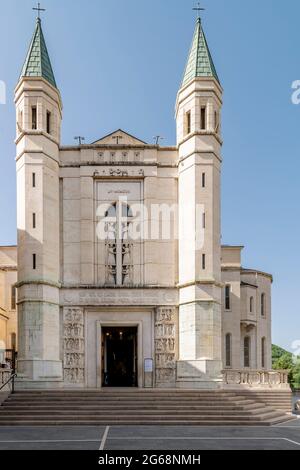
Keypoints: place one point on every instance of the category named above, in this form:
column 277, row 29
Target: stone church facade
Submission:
column 122, row 279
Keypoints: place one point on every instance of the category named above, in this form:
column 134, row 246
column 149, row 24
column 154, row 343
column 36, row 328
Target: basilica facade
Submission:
column 122, row 279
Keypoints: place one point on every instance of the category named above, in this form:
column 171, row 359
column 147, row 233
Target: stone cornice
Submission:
column 201, row 133
column 200, row 152
column 39, row 151
column 35, row 301
column 199, row 283
column 8, row 268
column 115, row 147
column 37, row 88
column 38, row 282
column 95, row 286
column 25, row 132
column 195, row 301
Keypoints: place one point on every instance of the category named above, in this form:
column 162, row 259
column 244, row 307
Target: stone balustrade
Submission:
column 275, row 379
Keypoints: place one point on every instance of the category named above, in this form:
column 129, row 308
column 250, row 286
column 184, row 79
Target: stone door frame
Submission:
column 119, row 323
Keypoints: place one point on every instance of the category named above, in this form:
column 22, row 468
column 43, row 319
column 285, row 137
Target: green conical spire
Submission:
column 200, row 63
column 37, row 63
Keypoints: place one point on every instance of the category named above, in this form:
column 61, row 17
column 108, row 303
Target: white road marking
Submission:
column 290, row 440
column 103, row 440
column 49, row 441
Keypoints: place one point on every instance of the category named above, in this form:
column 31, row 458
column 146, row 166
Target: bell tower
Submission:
column 198, row 109
column 39, row 113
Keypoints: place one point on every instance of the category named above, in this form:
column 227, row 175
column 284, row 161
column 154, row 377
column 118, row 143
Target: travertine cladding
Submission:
column 74, row 345
column 165, row 346
column 168, row 283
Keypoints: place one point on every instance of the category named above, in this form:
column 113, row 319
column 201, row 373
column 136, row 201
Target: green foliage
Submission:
column 277, row 352
column 285, row 360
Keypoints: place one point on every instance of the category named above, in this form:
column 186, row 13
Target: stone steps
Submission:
column 136, row 407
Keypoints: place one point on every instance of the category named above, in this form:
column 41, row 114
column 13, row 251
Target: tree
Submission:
column 283, row 360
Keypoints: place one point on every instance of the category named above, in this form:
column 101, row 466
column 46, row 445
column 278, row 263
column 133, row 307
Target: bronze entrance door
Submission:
column 119, row 356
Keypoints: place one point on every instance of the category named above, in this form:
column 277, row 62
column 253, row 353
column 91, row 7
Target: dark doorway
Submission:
column 119, row 357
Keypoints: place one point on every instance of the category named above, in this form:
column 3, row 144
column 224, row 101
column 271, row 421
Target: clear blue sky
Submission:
column 119, row 64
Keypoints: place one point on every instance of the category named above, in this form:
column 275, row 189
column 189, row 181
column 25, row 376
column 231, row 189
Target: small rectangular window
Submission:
column 34, row 261
column 203, row 261
column 263, row 305
column 48, row 122
column 227, row 297
column 33, row 180
column 34, row 220
column 34, row 117
column 188, row 122
column 203, row 180
column 263, row 353
column 13, row 298
column 203, row 118
column 203, row 220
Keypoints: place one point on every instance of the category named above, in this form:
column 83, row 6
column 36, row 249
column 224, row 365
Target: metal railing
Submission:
column 11, row 381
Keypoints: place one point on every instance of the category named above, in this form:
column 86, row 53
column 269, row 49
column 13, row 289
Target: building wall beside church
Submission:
column 8, row 308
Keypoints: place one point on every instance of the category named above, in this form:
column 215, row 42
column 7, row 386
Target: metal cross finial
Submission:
column 39, row 9
column 80, row 139
column 117, row 138
column 157, row 139
column 198, row 9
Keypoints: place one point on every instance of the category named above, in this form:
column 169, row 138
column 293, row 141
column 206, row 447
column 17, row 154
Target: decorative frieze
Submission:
column 165, row 347
column 73, row 326
column 256, row 378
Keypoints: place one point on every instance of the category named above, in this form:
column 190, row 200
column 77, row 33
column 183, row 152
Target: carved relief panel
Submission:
column 73, row 343
column 165, row 345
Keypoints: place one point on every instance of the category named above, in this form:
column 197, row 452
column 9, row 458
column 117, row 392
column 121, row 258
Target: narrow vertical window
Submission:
column 263, row 352
column 228, row 350
column 204, row 220
column 34, row 220
column 48, row 122
column 13, row 298
column 203, row 118
column 33, row 180
column 251, row 304
column 217, row 122
column 203, row 180
column 34, row 261
column 247, row 351
column 203, row 261
column 13, row 341
column 227, row 297
column 33, row 118
column 263, row 305
column 188, row 122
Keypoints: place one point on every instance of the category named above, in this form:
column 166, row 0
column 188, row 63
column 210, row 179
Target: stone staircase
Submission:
column 136, row 407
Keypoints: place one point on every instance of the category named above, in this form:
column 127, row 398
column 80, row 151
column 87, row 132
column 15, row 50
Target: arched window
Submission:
column 247, row 352
column 263, row 352
column 228, row 350
column 251, row 304
column 263, row 305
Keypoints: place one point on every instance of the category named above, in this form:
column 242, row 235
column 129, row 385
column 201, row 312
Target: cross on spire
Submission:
column 39, row 9
column 198, row 9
